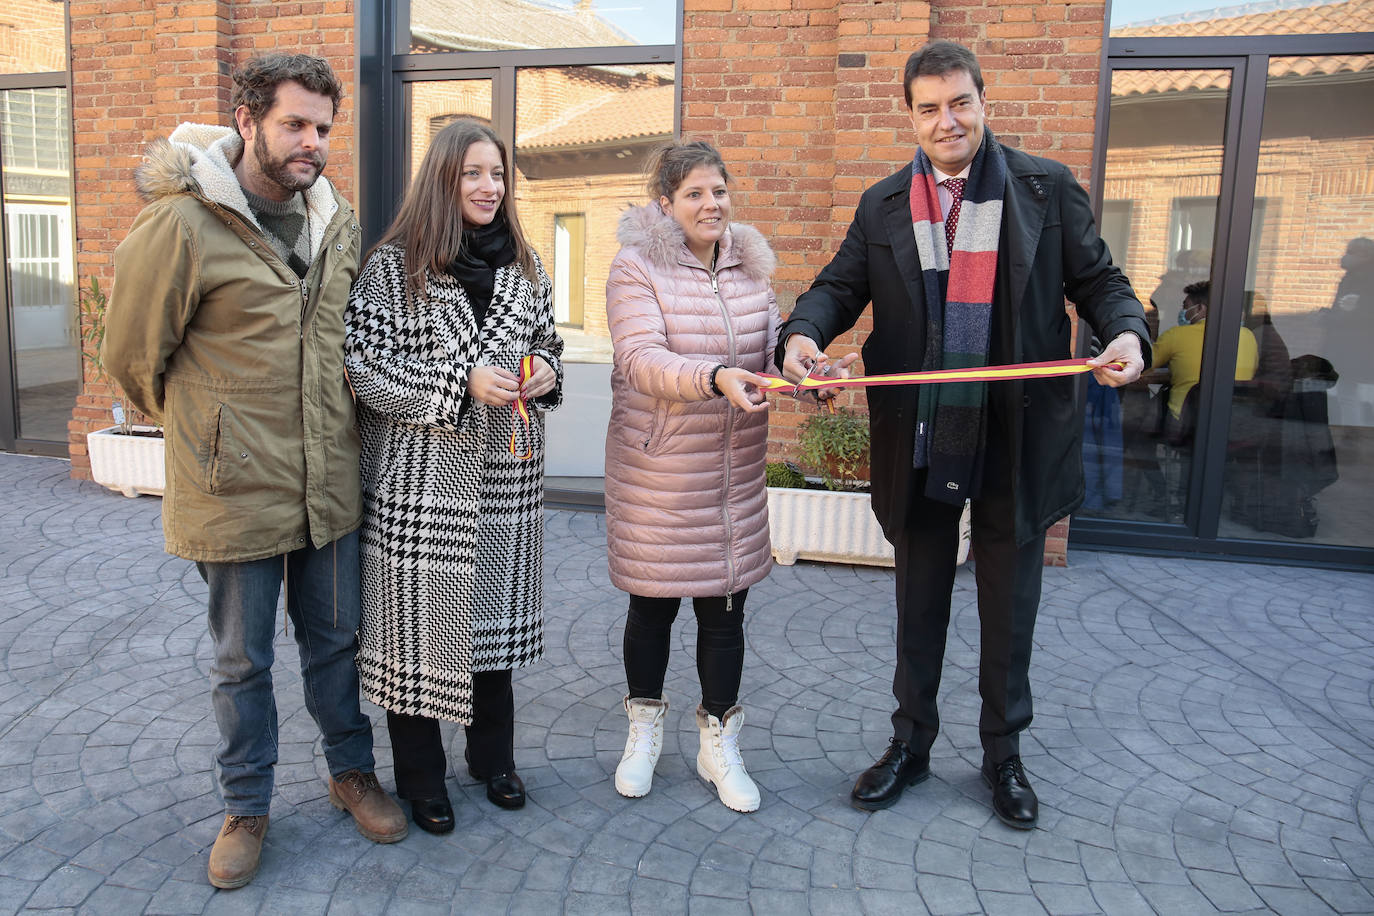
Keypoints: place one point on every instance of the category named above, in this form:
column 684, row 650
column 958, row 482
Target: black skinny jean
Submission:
column 418, row 749
column 720, row 647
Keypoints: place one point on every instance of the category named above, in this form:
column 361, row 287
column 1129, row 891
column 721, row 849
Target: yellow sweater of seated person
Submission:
column 1179, row 350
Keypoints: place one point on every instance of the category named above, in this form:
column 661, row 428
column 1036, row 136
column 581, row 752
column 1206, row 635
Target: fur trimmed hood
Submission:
column 199, row 159
column 663, row 242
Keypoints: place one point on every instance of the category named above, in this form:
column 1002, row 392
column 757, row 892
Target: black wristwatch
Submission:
column 714, row 386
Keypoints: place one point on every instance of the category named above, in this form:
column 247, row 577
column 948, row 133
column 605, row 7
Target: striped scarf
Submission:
column 951, row 419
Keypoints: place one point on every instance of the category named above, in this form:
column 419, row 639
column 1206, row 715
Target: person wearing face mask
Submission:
column 1179, row 350
column 440, row 322
column 692, row 318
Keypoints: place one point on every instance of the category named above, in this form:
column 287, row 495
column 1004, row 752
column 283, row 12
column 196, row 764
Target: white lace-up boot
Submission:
column 719, row 761
column 635, row 774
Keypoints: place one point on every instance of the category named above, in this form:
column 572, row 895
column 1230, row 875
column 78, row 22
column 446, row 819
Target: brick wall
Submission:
column 140, row 68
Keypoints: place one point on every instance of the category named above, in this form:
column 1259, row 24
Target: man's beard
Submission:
column 278, row 171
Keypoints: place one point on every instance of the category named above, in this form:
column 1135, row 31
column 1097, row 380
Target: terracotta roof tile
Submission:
column 635, row 114
column 1273, row 17
column 504, row 25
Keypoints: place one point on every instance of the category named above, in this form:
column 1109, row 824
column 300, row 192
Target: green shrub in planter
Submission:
column 784, row 474
column 835, row 446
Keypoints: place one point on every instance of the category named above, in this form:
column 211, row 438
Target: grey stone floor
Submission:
column 1202, row 743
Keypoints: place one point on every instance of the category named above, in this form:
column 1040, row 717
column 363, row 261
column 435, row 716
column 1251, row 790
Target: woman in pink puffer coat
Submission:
column 692, row 317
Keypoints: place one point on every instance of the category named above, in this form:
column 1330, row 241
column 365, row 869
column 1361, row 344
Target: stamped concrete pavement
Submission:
column 1202, row 743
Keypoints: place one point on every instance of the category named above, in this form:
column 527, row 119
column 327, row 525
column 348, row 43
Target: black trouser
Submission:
column 720, row 647
column 418, row 750
column 1008, row 579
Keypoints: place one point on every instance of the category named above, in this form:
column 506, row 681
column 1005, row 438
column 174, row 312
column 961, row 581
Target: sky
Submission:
column 648, row 22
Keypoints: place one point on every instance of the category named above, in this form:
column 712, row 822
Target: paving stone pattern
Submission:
column 1202, row 743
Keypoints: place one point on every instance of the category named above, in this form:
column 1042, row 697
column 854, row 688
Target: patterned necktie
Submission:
column 956, row 193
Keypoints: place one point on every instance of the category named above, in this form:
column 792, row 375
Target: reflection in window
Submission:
column 1300, row 456
column 582, row 135
column 33, row 36
column 569, row 268
column 38, row 239
column 1163, row 187
column 517, row 25
column 1188, row 19
column 435, row 105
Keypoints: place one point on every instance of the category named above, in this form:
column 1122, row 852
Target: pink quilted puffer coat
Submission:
column 686, row 507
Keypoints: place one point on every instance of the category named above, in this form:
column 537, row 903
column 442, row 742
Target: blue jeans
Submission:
column 320, row 584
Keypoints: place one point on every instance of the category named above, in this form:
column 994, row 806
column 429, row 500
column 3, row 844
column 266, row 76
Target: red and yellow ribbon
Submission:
column 937, row 376
column 521, row 411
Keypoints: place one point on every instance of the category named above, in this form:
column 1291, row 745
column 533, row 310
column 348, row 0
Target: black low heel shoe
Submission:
column 432, row 815
column 504, row 790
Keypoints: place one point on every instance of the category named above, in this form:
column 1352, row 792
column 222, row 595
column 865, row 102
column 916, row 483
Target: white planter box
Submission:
column 833, row 527
column 129, row 464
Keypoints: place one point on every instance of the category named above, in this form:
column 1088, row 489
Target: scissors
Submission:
column 815, row 369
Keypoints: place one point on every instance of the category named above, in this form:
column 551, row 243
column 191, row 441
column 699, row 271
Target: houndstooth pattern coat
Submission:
column 452, row 533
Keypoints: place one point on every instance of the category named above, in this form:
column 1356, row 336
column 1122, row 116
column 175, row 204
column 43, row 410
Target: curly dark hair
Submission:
column 938, row 58
column 257, row 79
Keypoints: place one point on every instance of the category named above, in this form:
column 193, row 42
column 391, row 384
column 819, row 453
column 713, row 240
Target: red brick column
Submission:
column 140, row 68
column 1041, row 64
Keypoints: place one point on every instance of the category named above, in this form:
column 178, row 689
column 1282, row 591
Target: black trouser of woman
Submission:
column 418, row 750
column 720, row 647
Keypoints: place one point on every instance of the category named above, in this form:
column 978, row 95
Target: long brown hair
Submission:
column 429, row 224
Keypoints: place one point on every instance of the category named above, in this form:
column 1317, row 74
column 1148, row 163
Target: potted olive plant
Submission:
column 825, row 514
column 129, row 456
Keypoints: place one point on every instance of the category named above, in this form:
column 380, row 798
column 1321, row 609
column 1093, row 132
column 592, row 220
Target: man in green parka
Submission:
column 226, row 326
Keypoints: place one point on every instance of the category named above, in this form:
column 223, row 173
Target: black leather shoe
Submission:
column 504, row 790
column 432, row 815
column 1013, row 799
column 882, row 784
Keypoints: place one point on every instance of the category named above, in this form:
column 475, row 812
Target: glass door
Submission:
column 43, row 355
column 1299, row 453
column 1161, row 187
column 1236, row 195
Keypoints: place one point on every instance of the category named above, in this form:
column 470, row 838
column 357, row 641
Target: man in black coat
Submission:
column 1027, row 241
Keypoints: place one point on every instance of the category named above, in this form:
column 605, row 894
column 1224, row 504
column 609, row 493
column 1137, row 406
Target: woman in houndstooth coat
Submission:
column 452, row 539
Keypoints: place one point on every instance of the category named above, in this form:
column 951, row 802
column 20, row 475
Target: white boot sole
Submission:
column 742, row 809
column 630, row 792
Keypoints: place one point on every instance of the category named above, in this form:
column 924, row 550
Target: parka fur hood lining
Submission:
column 198, row 159
column 663, row 242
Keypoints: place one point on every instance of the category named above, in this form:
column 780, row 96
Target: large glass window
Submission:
column 433, row 105
column 581, row 138
column 517, row 25
column 1163, row 187
column 580, row 91
column 36, row 178
column 1300, row 457
column 33, row 36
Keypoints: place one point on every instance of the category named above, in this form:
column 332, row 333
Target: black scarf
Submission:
column 485, row 248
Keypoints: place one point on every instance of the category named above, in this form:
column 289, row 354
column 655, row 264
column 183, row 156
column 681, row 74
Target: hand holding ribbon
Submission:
column 741, row 388
column 1123, row 352
column 814, row 383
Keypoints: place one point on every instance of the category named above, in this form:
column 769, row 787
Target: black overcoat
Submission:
column 1049, row 249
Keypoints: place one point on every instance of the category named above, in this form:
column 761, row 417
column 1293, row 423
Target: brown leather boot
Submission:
column 234, row 858
column 375, row 812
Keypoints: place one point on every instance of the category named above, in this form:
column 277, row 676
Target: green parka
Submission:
column 212, row 335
